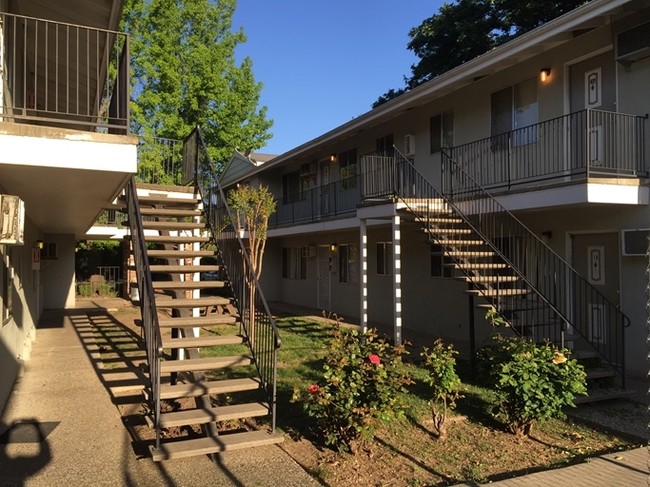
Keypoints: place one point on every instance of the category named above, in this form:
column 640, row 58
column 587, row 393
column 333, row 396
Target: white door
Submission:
column 323, row 284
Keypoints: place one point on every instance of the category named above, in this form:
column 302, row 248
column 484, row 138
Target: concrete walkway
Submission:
column 62, row 425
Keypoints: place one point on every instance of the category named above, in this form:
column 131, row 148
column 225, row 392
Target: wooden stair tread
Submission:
column 600, row 373
column 497, row 292
column 451, row 231
column 214, row 444
column 188, row 284
column 478, row 265
column 170, row 212
column 183, row 269
column 207, row 363
column 166, row 302
column 175, row 239
column 202, row 341
column 149, row 225
column 217, row 413
column 195, row 389
column 197, row 321
column 179, row 254
column 469, row 253
column 152, row 199
column 490, row 279
column 456, row 242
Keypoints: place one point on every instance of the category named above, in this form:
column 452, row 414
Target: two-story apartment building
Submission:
column 65, row 153
column 516, row 180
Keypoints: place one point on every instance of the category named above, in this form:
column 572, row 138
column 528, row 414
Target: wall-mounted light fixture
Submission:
column 332, row 157
column 544, row 74
column 333, row 247
column 39, row 244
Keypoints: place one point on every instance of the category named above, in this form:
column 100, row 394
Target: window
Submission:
column 438, row 268
column 385, row 258
column 348, row 168
column 295, row 185
column 294, row 262
column 514, row 108
column 49, row 250
column 385, row 145
column 348, row 258
column 441, row 129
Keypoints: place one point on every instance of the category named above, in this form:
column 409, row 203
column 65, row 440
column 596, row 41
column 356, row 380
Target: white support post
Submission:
column 397, row 281
column 363, row 238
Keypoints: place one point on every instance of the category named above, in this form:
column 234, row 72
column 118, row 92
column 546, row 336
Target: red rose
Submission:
column 374, row 359
column 313, row 389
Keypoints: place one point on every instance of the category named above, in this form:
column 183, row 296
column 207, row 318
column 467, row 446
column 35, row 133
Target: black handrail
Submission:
column 529, row 285
column 590, row 314
column 153, row 340
column 256, row 319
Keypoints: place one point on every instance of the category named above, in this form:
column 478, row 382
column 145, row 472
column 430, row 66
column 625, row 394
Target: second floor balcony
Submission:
column 58, row 74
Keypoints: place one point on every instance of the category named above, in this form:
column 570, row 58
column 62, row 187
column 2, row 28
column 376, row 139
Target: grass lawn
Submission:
column 405, row 452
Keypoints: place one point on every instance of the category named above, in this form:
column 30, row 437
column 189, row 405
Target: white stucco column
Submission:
column 363, row 247
column 397, row 281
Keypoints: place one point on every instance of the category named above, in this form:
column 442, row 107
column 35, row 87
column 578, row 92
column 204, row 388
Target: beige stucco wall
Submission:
column 58, row 274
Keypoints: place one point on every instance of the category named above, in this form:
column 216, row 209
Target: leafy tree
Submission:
column 184, row 74
column 465, row 29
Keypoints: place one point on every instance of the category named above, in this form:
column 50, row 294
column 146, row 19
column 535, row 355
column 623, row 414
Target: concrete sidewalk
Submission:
column 62, row 425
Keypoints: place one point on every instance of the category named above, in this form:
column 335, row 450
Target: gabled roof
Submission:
column 552, row 34
column 242, row 166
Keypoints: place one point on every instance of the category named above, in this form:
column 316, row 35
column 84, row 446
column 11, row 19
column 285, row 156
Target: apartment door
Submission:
column 592, row 85
column 325, row 188
column 323, row 278
column 595, row 257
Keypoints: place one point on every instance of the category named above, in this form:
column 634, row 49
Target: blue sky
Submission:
column 322, row 62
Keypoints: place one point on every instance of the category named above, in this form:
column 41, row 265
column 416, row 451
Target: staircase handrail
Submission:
column 211, row 192
column 414, row 185
column 150, row 326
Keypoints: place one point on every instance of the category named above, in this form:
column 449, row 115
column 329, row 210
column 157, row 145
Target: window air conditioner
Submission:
column 12, row 220
column 635, row 242
column 409, row 145
column 633, row 44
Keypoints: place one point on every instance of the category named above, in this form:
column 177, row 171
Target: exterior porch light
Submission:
column 333, row 247
column 38, row 244
column 544, row 74
column 332, row 157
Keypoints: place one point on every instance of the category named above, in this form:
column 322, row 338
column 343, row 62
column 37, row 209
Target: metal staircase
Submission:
column 533, row 290
column 207, row 378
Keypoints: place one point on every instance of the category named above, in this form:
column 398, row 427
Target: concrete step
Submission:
column 148, row 225
column 208, row 445
column 208, row 363
column 179, row 254
column 195, row 389
column 600, row 373
column 217, row 413
column 596, row 395
column 202, row 341
column 173, row 212
column 167, row 302
column 183, row 269
column 188, row 284
column 198, row 321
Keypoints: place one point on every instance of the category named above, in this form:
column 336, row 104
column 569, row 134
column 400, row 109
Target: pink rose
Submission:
column 313, row 389
column 374, row 359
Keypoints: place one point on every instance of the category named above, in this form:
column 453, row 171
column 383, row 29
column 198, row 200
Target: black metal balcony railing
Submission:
column 578, row 146
column 64, row 75
column 256, row 320
column 160, row 161
column 318, row 203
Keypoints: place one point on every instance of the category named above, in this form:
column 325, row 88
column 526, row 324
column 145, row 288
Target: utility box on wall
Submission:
column 12, row 220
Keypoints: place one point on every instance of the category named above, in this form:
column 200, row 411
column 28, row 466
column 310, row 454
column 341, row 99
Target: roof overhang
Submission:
column 552, row 34
column 65, row 177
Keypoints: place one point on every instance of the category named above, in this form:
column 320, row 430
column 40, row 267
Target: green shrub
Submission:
column 440, row 362
column 362, row 379
column 532, row 382
column 85, row 289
